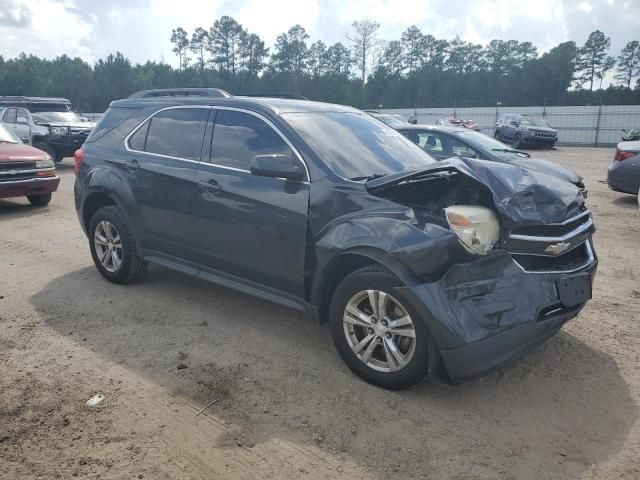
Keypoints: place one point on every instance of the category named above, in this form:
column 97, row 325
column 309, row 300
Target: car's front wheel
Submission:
column 517, row 141
column 377, row 331
column 39, row 200
column 113, row 246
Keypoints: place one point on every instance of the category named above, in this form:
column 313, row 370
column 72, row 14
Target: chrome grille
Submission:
column 553, row 229
column 569, row 261
column 539, row 248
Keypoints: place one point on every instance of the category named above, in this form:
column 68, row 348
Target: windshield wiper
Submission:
column 510, row 150
column 368, row 177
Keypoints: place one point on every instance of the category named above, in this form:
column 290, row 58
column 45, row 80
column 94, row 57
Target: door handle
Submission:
column 132, row 164
column 210, row 185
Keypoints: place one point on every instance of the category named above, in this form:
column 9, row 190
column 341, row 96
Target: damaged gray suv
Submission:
column 421, row 268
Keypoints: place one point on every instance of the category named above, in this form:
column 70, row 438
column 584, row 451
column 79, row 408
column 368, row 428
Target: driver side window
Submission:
column 238, row 137
column 460, row 149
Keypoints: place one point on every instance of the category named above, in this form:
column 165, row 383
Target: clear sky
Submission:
column 141, row 28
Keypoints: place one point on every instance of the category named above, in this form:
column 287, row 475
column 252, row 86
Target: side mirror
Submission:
column 22, row 121
column 412, row 120
column 277, row 166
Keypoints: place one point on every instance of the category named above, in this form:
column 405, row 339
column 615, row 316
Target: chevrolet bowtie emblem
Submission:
column 558, row 248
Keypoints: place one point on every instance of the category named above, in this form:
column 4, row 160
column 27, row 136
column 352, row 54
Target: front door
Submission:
column 250, row 226
column 18, row 120
column 161, row 164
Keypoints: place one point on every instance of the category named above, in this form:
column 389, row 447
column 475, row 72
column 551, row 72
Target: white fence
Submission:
column 576, row 125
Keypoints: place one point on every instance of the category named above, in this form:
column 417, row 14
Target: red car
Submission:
column 25, row 171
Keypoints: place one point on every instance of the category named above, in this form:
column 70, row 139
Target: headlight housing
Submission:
column 59, row 131
column 477, row 228
column 48, row 163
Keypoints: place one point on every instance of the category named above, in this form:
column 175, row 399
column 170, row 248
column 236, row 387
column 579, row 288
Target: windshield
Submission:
column 494, row 146
column 7, row 135
column 534, row 121
column 48, row 117
column 355, row 145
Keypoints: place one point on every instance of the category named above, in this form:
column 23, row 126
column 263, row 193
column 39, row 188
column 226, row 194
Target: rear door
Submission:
column 250, row 226
column 163, row 156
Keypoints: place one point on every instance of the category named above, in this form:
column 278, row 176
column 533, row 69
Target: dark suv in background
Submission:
column 521, row 130
column 48, row 124
column 444, row 269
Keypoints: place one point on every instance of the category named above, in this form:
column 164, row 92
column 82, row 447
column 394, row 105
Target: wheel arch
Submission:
column 345, row 263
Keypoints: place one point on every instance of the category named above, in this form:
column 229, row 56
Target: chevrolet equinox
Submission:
column 422, row 268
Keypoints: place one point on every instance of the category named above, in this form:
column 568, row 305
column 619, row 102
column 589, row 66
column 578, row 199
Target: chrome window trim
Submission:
column 591, row 258
column 581, row 229
column 214, row 107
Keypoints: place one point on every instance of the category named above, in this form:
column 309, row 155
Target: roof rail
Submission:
column 181, row 92
column 290, row 96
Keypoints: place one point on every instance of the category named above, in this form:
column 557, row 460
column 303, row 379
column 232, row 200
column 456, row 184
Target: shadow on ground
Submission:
column 627, row 201
column 552, row 414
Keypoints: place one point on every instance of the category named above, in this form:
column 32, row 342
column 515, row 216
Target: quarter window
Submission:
column 177, row 132
column 238, row 137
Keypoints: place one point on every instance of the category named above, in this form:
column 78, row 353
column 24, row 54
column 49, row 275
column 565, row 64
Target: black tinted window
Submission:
column 137, row 140
column 238, row 137
column 178, row 132
column 110, row 120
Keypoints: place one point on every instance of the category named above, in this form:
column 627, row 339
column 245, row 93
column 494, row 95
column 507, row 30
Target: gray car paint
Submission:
column 624, row 176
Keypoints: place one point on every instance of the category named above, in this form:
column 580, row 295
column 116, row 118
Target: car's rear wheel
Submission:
column 113, row 246
column 39, row 200
column 377, row 331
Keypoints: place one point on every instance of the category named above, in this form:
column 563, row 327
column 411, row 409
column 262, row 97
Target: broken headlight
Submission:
column 477, row 227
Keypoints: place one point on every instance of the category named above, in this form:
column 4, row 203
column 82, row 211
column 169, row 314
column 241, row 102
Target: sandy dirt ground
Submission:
column 287, row 407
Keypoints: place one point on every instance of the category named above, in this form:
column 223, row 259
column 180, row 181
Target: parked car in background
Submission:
column 459, row 122
column 25, row 171
column 624, row 173
column 446, row 142
column 421, row 267
column 521, row 130
column 48, row 124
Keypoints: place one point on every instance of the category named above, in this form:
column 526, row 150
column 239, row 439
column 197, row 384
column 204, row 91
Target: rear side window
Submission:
column 110, row 120
column 178, row 132
column 238, row 137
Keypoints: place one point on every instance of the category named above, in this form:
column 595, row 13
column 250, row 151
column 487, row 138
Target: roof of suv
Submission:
column 276, row 105
column 14, row 100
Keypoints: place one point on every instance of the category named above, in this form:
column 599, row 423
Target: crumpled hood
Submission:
column 521, row 196
column 545, row 166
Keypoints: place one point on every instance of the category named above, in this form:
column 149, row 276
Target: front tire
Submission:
column 113, row 246
column 39, row 200
column 49, row 150
column 377, row 332
column 517, row 141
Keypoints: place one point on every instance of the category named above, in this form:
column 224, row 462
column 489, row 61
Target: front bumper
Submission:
column 535, row 140
column 486, row 312
column 29, row 187
column 66, row 145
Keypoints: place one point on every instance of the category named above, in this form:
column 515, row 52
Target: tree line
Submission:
column 415, row 70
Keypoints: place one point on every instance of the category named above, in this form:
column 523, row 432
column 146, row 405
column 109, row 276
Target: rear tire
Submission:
column 113, row 246
column 39, row 200
column 376, row 361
